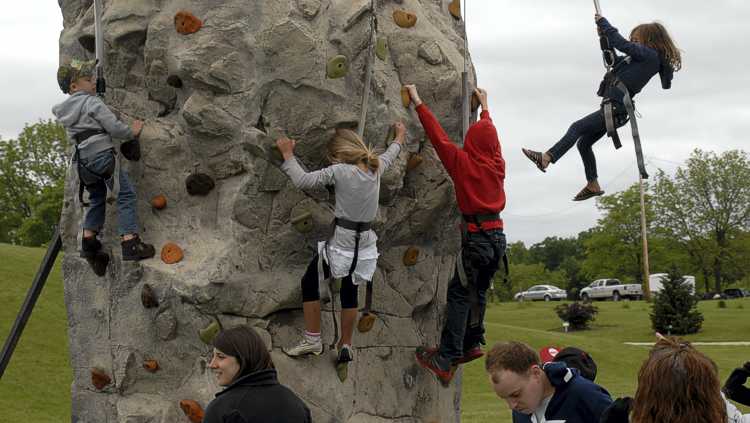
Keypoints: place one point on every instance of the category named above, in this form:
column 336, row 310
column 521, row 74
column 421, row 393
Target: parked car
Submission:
column 655, row 285
column 542, row 292
column 735, row 293
column 611, row 288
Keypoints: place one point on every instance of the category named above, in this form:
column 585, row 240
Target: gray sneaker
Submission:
column 305, row 347
column 345, row 354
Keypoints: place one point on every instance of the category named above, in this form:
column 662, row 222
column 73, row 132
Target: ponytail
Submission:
column 347, row 147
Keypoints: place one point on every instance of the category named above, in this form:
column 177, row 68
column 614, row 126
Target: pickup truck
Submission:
column 611, row 288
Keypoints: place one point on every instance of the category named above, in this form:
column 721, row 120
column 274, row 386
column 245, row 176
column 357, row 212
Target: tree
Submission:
column 706, row 206
column 32, row 177
column 675, row 308
column 553, row 251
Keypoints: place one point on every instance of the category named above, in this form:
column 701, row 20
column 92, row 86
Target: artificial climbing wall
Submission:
column 215, row 82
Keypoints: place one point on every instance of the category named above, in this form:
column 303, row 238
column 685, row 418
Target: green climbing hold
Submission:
column 342, row 371
column 337, row 67
column 303, row 222
column 208, row 333
column 381, row 48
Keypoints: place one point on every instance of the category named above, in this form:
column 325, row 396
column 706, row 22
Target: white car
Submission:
column 654, row 282
column 611, row 288
column 542, row 292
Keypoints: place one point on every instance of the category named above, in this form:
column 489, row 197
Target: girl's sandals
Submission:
column 586, row 193
column 536, row 157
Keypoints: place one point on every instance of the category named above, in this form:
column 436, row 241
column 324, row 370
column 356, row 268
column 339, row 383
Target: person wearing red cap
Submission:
column 478, row 174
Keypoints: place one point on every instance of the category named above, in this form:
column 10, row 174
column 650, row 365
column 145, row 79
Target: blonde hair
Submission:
column 655, row 35
column 347, row 147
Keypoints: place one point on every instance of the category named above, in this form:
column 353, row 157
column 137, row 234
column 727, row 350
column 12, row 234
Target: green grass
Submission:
column 618, row 364
column 36, row 386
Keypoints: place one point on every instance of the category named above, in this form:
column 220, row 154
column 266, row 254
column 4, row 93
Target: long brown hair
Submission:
column 677, row 383
column 347, row 147
column 655, row 35
column 246, row 345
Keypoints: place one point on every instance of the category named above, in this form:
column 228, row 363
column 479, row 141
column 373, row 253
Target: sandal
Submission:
column 586, row 193
column 536, row 157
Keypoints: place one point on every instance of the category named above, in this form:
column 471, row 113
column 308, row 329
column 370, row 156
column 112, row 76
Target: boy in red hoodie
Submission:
column 478, row 174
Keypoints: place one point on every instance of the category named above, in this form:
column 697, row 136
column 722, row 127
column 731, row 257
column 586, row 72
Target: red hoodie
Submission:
column 477, row 170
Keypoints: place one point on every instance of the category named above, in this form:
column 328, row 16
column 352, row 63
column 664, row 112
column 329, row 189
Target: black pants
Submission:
column 585, row 132
column 464, row 326
column 311, row 290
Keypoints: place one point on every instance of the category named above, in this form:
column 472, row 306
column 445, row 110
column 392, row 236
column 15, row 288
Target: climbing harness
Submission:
column 609, row 109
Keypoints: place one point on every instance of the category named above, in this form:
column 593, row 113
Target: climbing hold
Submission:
column 276, row 153
column 404, row 19
column 171, row 253
column 474, row 102
column 88, row 41
column 148, row 297
column 99, row 378
column 415, row 159
column 381, row 48
column 455, row 8
column 199, row 184
column 337, row 67
column 405, row 97
column 208, row 333
column 410, row 256
column 186, row 23
column 174, row 81
column 342, row 371
column 366, row 322
column 303, row 222
column 192, row 410
column 151, row 366
column 159, row 202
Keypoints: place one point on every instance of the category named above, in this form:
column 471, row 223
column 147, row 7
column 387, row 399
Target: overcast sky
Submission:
column 540, row 62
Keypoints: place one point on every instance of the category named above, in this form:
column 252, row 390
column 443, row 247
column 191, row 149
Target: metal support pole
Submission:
column 597, row 7
column 644, row 238
column 101, row 86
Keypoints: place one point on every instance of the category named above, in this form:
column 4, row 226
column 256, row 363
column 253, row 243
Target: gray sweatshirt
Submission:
column 83, row 111
column 357, row 192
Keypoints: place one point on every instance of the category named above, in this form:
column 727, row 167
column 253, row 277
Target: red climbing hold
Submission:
column 151, row 366
column 159, row 202
column 186, row 23
column 192, row 410
column 99, row 378
column 171, row 253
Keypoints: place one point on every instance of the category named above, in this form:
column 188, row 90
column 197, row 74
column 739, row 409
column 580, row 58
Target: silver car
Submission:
column 542, row 292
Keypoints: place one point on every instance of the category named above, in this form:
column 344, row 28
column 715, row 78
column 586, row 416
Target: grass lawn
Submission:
column 36, row 386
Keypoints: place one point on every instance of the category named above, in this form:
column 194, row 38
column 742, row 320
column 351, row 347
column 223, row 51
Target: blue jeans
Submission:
column 464, row 320
column 103, row 165
column 585, row 132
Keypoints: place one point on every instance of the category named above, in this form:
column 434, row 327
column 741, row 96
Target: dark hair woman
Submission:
column 252, row 391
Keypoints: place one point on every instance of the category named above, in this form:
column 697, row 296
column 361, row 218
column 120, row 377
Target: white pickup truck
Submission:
column 611, row 288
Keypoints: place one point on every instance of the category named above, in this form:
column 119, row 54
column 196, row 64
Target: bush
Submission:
column 578, row 315
column 675, row 308
column 721, row 304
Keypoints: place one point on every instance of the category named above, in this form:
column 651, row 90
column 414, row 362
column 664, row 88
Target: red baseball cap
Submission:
column 547, row 354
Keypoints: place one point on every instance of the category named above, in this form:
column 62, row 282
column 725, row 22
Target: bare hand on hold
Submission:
column 400, row 132
column 414, row 94
column 286, row 147
column 482, row 96
column 136, row 127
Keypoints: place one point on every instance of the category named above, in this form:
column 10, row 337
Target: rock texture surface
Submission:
column 213, row 101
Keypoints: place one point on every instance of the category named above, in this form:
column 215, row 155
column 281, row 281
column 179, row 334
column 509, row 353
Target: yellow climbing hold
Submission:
column 405, row 97
column 208, row 333
column 455, row 8
column 414, row 161
column 410, row 256
column 381, row 48
column 303, row 222
column 366, row 322
column 404, row 19
column 337, row 67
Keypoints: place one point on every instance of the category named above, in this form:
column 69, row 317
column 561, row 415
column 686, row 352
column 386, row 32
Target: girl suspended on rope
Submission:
column 351, row 252
column 649, row 51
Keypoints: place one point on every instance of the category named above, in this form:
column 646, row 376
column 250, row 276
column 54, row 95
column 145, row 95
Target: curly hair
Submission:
column 655, row 35
column 678, row 383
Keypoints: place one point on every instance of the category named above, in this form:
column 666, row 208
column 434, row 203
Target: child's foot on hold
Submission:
column 135, row 249
column 308, row 345
column 430, row 359
column 592, row 189
column 345, row 354
column 541, row 160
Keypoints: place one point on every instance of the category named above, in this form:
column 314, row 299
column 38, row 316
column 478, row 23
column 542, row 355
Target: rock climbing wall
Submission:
column 216, row 82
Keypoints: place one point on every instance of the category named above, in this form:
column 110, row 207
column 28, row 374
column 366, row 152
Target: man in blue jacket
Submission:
column 552, row 393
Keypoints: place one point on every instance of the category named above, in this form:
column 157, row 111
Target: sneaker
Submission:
column 306, row 346
column 135, row 249
column 89, row 247
column 345, row 354
column 470, row 355
column 429, row 359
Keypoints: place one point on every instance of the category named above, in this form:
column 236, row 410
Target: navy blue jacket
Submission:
column 645, row 62
column 576, row 399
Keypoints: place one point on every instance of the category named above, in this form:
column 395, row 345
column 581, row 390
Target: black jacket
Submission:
column 645, row 62
column 257, row 398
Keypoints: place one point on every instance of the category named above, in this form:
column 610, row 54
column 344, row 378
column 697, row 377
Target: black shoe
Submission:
column 90, row 246
column 135, row 249
column 345, row 354
column 99, row 263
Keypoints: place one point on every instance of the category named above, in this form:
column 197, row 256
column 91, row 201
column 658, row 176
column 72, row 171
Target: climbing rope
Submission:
column 465, row 109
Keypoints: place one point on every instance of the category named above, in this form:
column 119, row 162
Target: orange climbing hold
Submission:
column 455, row 8
column 192, row 410
column 99, row 378
column 151, row 366
column 404, row 19
column 366, row 322
column 159, row 202
column 414, row 161
column 410, row 256
column 186, row 23
column 405, row 97
column 171, row 253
